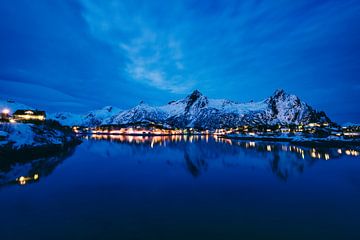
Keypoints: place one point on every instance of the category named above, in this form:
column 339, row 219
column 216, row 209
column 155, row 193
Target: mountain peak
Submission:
column 107, row 108
column 197, row 111
column 279, row 92
column 195, row 94
column 194, row 97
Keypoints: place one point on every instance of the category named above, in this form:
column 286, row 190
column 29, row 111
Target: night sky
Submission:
column 68, row 55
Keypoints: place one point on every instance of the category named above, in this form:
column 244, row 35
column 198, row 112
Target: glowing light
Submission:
column 30, row 117
column 22, row 180
column 6, row 111
column 314, row 125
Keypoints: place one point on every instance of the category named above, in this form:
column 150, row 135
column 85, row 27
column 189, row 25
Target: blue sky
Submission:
column 77, row 55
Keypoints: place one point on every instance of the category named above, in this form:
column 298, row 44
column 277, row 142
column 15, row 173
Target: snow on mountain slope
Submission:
column 93, row 118
column 141, row 113
column 97, row 117
column 349, row 124
column 285, row 109
column 198, row 111
column 67, row 118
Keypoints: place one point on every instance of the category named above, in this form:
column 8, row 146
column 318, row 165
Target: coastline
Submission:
column 22, row 141
column 306, row 142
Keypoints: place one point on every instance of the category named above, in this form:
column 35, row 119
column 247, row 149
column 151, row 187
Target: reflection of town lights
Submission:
column 354, row 153
column 22, row 180
column 268, row 148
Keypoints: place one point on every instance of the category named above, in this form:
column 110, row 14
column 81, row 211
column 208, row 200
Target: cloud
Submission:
column 120, row 51
column 154, row 57
column 147, row 64
column 178, row 45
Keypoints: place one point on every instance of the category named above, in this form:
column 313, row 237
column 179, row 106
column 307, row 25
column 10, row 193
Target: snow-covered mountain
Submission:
column 67, row 118
column 198, row 111
column 91, row 119
column 350, row 124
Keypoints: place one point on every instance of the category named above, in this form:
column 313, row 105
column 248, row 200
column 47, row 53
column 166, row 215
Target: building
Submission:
column 26, row 115
column 285, row 130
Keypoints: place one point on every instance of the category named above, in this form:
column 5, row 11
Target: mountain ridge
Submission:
column 198, row 111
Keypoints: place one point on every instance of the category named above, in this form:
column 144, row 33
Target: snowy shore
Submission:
column 34, row 140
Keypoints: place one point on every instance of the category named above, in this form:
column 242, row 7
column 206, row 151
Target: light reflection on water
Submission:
column 23, row 171
column 199, row 151
column 284, row 159
column 318, row 153
column 182, row 187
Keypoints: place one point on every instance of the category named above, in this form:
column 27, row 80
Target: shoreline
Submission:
column 142, row 135
column 311, row 142
column 306, row 142
column 29, row 152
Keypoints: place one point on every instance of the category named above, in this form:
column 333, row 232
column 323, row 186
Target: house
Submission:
column 285, row 130
column 25, row 115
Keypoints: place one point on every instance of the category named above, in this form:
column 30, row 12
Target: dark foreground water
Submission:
column 182, row 188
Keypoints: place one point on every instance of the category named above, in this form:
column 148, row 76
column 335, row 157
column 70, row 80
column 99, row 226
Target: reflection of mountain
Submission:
column 24, row 171
column 199, row 153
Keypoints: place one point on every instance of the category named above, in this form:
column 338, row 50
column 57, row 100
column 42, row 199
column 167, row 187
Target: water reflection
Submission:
column 198, row 152
column 23, row 171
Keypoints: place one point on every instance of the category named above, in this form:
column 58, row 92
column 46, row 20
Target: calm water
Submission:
column 182, row 188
